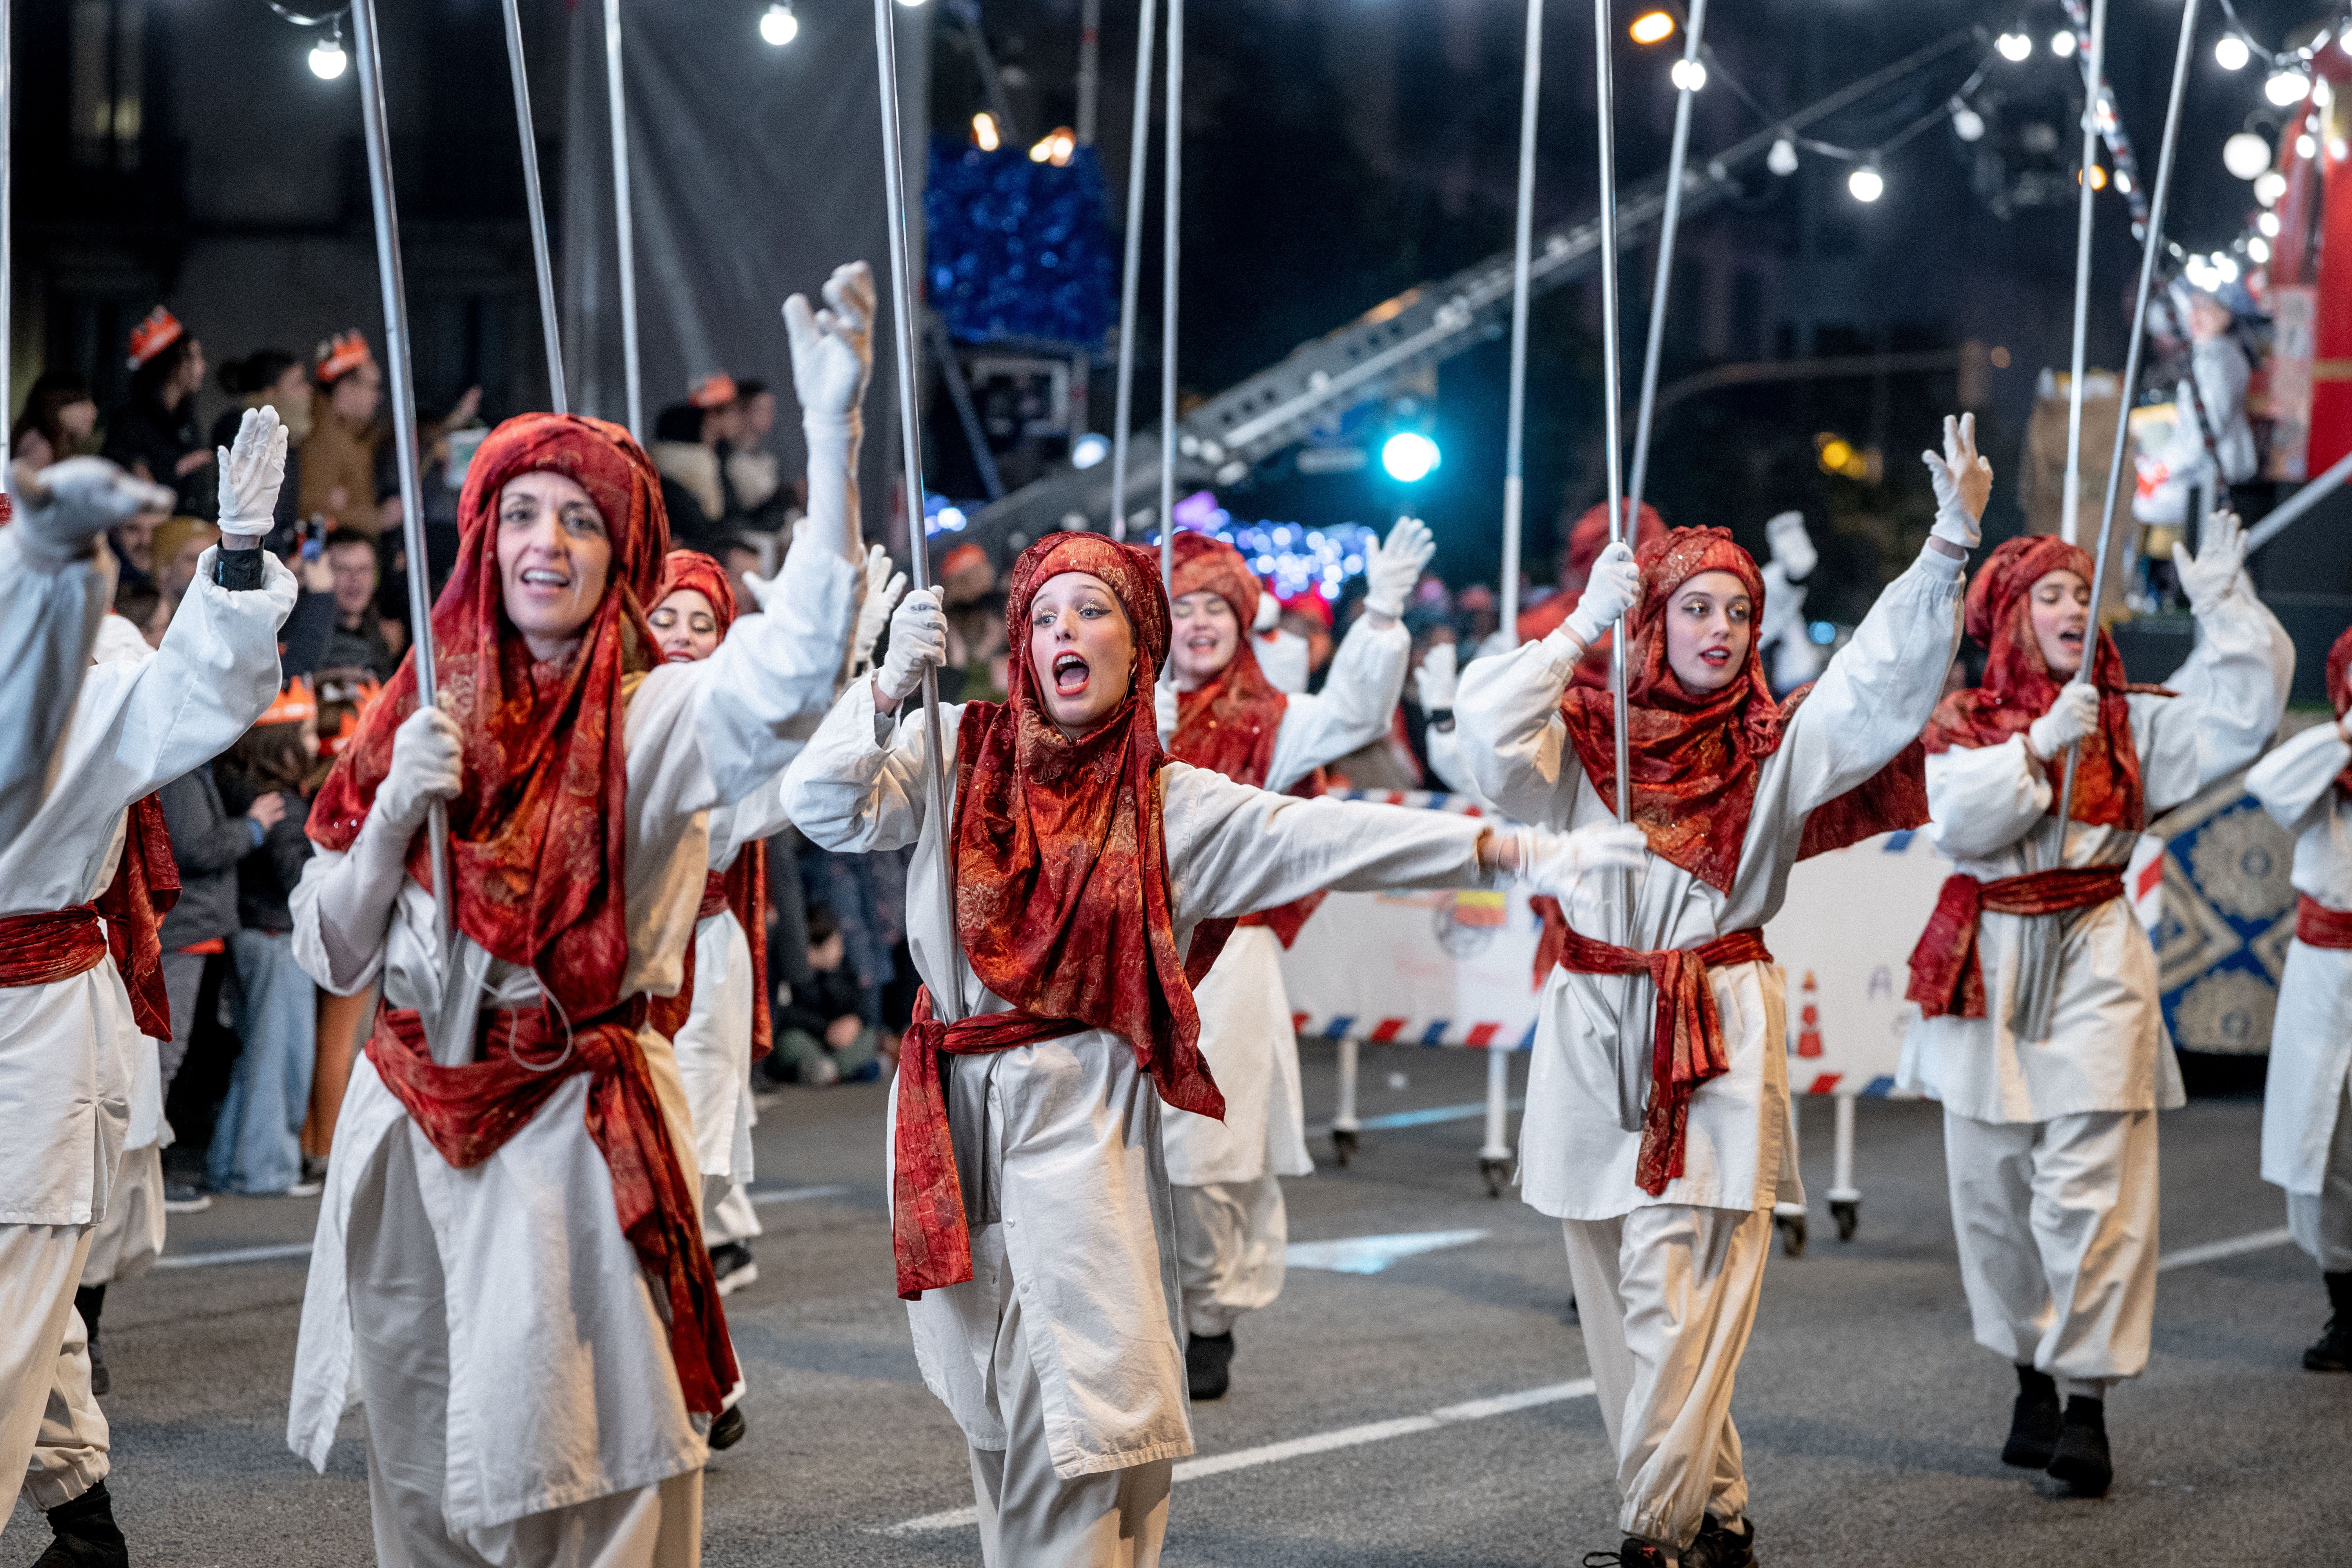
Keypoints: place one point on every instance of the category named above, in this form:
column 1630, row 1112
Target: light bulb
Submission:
column 1653, row 27
column 1688, row 74
column 328, row 61
column 2258, row 249
column 1782, row 159
column 983, row 133
column 2061, row 43
column 2269, row 187
column 2287, row 87
column 2306, row 146
column 2269, row 224
column 2246, row 155
column 2014, row 47
column 1409, row 457
column 2225, row 269
column 1088, row 449
column 778, row 25
column 1866, row 183
column 2230, row 52
column 1968, row 125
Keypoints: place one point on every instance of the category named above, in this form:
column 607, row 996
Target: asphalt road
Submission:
column 1871, row 1422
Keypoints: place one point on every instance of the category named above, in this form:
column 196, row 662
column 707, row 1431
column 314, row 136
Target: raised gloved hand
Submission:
column 1269, row 612
column 71, row 500
column 833, row 349
column 919, row 642
column 1792, row 547
column 1613, row 590
column 1391, row 570
column 2073, row 714
column 2208, row 574
column 1963, row 482
column 883, row 588
column 425, row 767
column 1165, row 709
column 1434, row 683
column 251, row 472
column 1554, row 862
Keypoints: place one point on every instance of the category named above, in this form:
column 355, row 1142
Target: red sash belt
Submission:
column 928, row 1229
column 1947, row 976
column 50, row 945
column 1687, row 1043
column 2317, row 925
column 714, row 895
column 469, row 1111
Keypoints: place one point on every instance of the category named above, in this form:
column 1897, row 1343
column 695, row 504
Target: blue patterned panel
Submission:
column 2229, row 913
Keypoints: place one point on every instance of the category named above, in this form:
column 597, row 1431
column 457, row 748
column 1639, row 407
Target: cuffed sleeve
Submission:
column 861, row 784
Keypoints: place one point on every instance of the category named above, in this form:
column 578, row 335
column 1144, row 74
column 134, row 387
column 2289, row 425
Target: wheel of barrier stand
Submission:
column 1792, row 1227
column 1848, row 1214
column 1496, row 1171
column 1343, row 1146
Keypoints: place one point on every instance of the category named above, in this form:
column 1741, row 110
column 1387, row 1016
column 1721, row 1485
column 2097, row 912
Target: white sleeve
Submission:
column 49, row 613
column 1982, row 799
column 771, row 681
column 1445, row 761
column 347, row 960
column 2292, row 782
column 862, row 785
column 759, row 814
column 1511, row 736
column 1354, row 709
column 2234, row 691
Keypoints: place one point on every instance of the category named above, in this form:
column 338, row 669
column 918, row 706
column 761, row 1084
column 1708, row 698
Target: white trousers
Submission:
column 400, row 1341
column 1230, row 1238
column 2056, row 1223
column 130, row 1238
column 1667, row 1296
column 2322, row 1221
column 1031, row 1517
column 726, row 1212
column 51, row 1433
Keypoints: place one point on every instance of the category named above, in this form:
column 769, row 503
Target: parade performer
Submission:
column 2039, row 1028
column 2306, row 787
column 1658, row 1120
column 85, row 886
column 1094, row 877
column 1218, row 710
column 1782, row 633
column 509, row 1267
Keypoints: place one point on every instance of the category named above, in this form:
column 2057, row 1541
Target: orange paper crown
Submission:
column 150, row 336
column 294, row 704
column 716, row 390
column 341, row 354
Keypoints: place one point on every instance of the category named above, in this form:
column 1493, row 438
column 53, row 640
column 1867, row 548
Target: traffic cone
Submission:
column 1809, row 1027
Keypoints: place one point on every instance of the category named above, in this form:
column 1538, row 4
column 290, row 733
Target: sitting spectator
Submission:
column 257, row 1144
column 154, row 435
column 821, row 1036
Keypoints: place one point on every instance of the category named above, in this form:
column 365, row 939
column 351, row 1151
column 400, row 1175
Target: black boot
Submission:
column 2081, row 1460
column 1209, row 1363
column 2334, row 1350
column 87, row 1537
column 1636, row 1553
column 727, row 1430
column 2033, row 1423
column 1718, row 1547
column 89, row 1301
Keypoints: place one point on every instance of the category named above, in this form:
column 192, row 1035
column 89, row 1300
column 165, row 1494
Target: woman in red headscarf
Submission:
column 1220, row 711
column 1657, row 1127
column 509, row 1262
column 2040, row 1027
column 1096, row 878
column 2306, row 787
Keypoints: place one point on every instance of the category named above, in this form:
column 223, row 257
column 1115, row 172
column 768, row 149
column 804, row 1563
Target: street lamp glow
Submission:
column 2014, row 47
column 1866, row 183
column 1409, row 457
column 2061, row 43
column 328, row 61
column 2246, row 155
column 1688, row 74
column 1653, row 27
column 1089, row 449
column 778, row 25
column 2230, row 52
column 2287, row 87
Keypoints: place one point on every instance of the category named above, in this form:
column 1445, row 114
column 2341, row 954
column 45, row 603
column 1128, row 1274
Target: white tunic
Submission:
column 1082, row 1192
column 66, row 1070
column 2310, row 1036
column 53, row 593
column 1576, row 1156
column 561, row 1383
column 1246, row 1025
column 714, row 1043
column 2107, row 1048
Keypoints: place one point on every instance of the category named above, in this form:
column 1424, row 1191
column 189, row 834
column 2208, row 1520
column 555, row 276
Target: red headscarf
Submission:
column 2019, row 686
column 692, row 569
column 535, row 841
column 1694, row 757
column 1586, row 541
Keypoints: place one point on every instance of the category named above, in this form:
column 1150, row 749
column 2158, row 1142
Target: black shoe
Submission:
column 2081, row 1460
column 86, row 1536
column 1718, row 1547
column 731, row 1262
column 1209, row 1365
column 1635, row 1553
column 2334, row 1350
column 727, row 1430
column 89, row 1301
column 185, row 1196
column 2033, row 1423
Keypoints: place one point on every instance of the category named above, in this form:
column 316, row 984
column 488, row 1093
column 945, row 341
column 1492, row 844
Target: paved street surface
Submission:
column 1374, row 1421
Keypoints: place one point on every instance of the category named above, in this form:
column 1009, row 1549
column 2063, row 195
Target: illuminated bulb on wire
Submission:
column 1651, row 27
column 2061, row 44
column 1967, row 123
column 778, row 25
column 2270, row 188
column 984, row 134
column 326, row 58
column 1782, row 159
column 2306, row 146
column 2269, row 224
column 2259, row 249
column 2225, row 269
column 1866, row 183
column 2287, row 87
column 1688, row 74
column 2014, row 47
column 2246, row 155
column 2230, row 52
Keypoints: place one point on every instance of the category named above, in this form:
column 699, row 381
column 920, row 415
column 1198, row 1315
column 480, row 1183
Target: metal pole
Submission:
column 2151, row 248
column 1668, row 225
column 1089, row 68
column 1171, row 208
column 2069, row 526
column 2302, row 501
column 910, row 434
column 1611, row 379
column 400, row 390
column 1139, row 143
column 536, row 204
column 1515, row 441
column 624, row 227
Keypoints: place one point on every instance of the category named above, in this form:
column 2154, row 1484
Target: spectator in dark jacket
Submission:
column 821, row 1032
column 154, row 435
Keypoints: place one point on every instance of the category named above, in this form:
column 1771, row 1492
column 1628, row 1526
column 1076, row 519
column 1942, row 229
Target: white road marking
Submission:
column 235, row 1255
column 1321, row 1443
column 2214, row 1251
column 1370, row 1254
column 760, row 1199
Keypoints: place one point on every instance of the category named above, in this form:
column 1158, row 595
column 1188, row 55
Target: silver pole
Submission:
column 910, row 436
column 2151, row 247
column 400, row 390
column 1171, row 208
column 632, row 377
column 1612, row 378
column 1139, row 144
column 1515, row 441
column 537, row 208
column 2093, row 68
column 2302, row 501
column 1668, row 225
column 1089, row 68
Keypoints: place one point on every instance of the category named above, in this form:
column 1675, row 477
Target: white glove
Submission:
column 882, row 591
column 1164, row 707
column 919, row 642
column 1613, row 590
column 424, row 768
column 250, row 473
column 1963, row 482
column 2073, row 714
column 833, row 349
column 1434, row 683
column 1553, row 862
column 2208, row 576
column 1391, row 570
column 1792, row 547
column 69, row 501
column 1269, row 611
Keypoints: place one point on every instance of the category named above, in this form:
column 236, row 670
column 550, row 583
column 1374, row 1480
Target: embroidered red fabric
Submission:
column 1947, row 974
column 2317, row 925
column 1687, row 1047
column 50, row 945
